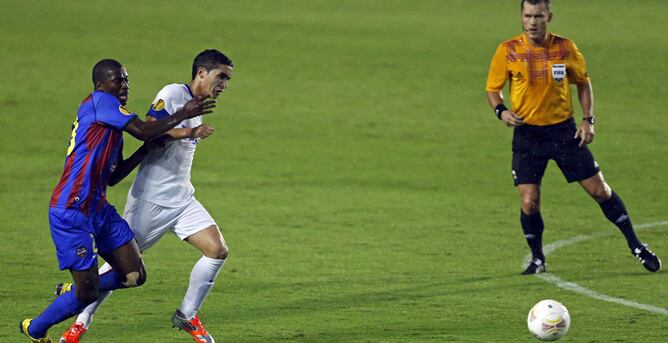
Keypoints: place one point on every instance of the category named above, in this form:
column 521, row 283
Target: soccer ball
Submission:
column 548, row 320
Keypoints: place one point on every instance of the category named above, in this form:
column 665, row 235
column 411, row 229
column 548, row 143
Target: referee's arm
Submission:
column 586, row 97
column 495, row 101
column 585, row 130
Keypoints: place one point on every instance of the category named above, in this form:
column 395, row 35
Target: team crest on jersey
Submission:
column 82, row 251
column 159, row 105
column 558, row 72
column 123, row 110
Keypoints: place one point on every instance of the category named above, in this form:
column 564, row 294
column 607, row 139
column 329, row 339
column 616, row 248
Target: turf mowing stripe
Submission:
column 570, row 286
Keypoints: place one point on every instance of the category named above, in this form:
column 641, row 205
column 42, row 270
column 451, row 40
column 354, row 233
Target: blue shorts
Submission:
column 79, row 238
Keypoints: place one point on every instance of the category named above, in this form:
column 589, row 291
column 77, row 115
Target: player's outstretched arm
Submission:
column 148, row 130
column 126, row 166
column 202, row 131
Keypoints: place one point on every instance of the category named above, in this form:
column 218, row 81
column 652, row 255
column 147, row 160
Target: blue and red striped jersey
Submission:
column 95, row 148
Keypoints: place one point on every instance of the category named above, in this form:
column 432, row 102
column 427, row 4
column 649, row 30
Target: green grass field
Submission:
column 361, row 181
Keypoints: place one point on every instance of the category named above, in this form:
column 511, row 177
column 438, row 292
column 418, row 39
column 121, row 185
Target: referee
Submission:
column 540, row 67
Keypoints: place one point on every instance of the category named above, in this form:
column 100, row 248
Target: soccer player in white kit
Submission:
column 161, row 198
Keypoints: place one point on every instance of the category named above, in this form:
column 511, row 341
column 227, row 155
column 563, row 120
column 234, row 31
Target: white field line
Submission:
column 573, row 287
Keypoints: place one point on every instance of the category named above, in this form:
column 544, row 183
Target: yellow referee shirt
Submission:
column 539, row 77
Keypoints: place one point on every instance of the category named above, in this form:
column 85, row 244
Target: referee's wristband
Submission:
column 499, row 109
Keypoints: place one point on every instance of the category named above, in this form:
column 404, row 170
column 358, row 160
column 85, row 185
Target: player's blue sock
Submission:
column 533, row 227
column 110, row 281
column 60, row 309
column 615, row 211
column 67, row 305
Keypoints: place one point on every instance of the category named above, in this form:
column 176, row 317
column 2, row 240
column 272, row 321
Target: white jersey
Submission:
column 164, row 175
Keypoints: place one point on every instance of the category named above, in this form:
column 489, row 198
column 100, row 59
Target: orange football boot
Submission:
column 73, row 334
column 192, row 326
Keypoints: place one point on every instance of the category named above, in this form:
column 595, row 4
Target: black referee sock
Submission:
column 615, row 211
column 532, row 225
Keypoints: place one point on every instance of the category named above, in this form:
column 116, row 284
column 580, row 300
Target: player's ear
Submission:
column 201, row 72
column 549, row 17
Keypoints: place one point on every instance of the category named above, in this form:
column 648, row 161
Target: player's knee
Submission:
column 530, row 205
column 135, row 279
column 219, row 252
column 224, row 251
column 601, row 193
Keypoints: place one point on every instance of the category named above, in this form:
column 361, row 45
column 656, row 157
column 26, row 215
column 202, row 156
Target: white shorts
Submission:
column 150, row 222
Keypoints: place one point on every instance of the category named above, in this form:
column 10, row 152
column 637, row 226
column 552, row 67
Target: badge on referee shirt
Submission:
column 558, row 72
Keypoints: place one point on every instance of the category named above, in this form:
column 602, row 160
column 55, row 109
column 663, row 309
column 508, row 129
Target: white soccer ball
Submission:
column 548, row 320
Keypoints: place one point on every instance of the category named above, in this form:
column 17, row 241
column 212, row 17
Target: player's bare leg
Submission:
column 597, row 188
column 212, row 245
column 126, row 261
column 613, row 208
column 530, row 198
column 532, row 226
column 210, row 242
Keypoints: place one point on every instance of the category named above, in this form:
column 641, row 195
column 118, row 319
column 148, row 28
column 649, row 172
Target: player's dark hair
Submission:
column 101, row 69
column 210, row 59
column 535, row 2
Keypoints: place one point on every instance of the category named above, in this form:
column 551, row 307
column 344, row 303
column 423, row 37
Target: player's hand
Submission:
column 198, row 106
column 202, row 131
column 511, row 119
column 585, row 132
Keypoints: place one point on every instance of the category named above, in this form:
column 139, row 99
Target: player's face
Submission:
column 216, row 80
column 117, row 84
column 534, row 21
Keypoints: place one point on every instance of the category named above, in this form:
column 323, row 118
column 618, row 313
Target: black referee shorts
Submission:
column 534, row 146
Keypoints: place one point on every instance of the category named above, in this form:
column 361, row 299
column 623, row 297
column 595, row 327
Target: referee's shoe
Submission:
column 536, row 266
column 650, row 261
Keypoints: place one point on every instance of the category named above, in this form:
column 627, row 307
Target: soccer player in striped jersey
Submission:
column 162, row 199
column 83, row 224
column 541, row 67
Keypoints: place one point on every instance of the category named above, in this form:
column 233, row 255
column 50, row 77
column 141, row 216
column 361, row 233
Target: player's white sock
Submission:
column 201, row 281
column 86, row 316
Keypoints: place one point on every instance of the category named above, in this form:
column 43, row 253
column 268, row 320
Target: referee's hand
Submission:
column 585, row 132
column 511, row 119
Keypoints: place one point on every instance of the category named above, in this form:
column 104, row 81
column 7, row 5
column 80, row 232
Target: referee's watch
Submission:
column 591, row 119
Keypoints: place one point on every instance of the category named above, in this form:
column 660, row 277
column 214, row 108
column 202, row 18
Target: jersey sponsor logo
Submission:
column 159, row 105
column 123, row 110
column 558, row 72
